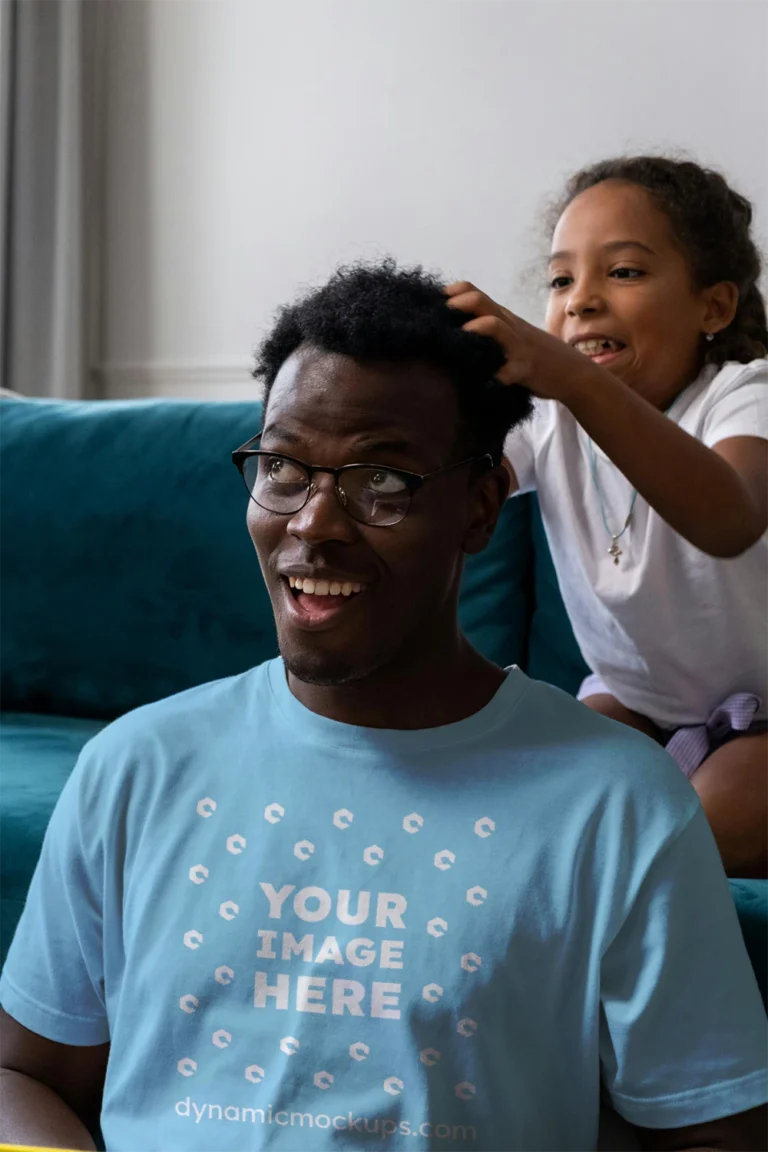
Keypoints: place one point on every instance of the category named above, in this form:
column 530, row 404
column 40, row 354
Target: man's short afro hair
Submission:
column 379, row 313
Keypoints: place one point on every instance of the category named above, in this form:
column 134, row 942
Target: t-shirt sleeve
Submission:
column 742, row 410
column 53, row 979
column 682, row 1029
column 520, row 450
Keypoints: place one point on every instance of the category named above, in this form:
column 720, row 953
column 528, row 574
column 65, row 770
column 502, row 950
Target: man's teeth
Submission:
column 323, row 587
column 594, row 347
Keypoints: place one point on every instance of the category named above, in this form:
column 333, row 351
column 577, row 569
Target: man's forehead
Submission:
column 391, row 405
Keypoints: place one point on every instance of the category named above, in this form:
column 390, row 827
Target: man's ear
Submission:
column 487, row 500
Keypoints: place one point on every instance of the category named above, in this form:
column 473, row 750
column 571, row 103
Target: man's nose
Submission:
column 323, row 518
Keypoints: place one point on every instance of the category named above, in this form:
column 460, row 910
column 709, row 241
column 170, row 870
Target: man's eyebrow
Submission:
column 281, row 433
column 401, row 447
column 372, row 443
column 611, row 246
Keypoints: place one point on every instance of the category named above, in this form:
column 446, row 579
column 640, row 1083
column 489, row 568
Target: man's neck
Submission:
column 442, row 687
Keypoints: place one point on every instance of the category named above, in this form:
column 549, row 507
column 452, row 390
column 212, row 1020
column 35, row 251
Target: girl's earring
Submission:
column 709, row 336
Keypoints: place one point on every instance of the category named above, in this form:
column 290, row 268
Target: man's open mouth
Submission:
column 316, row 602
column 311, row 587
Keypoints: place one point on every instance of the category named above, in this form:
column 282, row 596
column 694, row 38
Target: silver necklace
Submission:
column 615, row 551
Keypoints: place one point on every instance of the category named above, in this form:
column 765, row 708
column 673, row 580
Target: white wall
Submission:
column 252, row 145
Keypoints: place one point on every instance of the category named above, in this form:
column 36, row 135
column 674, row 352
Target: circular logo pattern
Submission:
column 476, row 895
column 198, row 874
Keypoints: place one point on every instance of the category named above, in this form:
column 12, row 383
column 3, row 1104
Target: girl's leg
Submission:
column 732, row 785
column 609, row 706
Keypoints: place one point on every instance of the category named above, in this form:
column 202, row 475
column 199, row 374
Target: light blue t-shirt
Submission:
column 298, row 933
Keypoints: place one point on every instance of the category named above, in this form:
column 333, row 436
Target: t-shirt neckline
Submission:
column 321, row 730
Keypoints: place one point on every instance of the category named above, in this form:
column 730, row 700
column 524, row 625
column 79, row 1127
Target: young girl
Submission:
column 648, row 451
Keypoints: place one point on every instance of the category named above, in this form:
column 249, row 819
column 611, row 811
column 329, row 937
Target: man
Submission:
column 379, row 891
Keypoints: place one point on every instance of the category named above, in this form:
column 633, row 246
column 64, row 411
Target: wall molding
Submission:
column 176, row 381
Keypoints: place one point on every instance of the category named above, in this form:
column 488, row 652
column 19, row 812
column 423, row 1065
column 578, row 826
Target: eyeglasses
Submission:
column 370, row 494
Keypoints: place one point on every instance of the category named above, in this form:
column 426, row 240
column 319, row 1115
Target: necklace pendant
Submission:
column 615, row 551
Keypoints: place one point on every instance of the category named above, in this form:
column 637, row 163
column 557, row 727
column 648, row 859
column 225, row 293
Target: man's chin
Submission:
column 324, row 669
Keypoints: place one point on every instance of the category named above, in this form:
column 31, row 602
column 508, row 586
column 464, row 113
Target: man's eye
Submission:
column 283, row 471
column 386, row 484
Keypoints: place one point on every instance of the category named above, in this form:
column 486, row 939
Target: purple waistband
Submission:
column 689, row 746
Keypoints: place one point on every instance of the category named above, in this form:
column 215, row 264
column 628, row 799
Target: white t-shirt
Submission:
column 672, row 631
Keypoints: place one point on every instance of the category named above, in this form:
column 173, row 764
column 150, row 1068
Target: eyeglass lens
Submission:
column 371, row 495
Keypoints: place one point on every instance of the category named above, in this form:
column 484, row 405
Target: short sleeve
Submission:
column 520, row 450
column 53, row 979
column 682, row 1029
column 742, row 410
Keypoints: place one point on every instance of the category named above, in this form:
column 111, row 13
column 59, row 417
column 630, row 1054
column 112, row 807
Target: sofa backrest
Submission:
column 127, row 571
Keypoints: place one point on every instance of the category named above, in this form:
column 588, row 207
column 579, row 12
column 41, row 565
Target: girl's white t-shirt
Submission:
column 672, row 631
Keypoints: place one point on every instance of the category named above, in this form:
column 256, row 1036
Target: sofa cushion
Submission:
column 553, row 654
column 751, row 899
column 128, row 573
column 37, row 755
column 495, row 604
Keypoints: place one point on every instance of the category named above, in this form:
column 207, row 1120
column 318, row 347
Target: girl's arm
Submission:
column 716, row 498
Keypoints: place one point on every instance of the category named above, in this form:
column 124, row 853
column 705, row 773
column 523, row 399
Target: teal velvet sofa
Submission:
column 127, row 575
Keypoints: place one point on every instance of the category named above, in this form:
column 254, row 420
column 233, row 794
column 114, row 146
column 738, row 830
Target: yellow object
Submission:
column 31, row 1148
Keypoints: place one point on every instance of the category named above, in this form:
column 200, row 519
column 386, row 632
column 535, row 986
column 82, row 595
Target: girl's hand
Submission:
column 547, row 366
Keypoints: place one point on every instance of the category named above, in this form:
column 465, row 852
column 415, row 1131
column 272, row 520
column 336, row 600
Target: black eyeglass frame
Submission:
column 412, row 480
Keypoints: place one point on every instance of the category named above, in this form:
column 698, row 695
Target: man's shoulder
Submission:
column 195, row 718
column 595, row 749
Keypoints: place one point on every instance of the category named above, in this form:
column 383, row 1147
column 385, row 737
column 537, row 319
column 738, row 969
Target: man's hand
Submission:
column 742, row 1132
